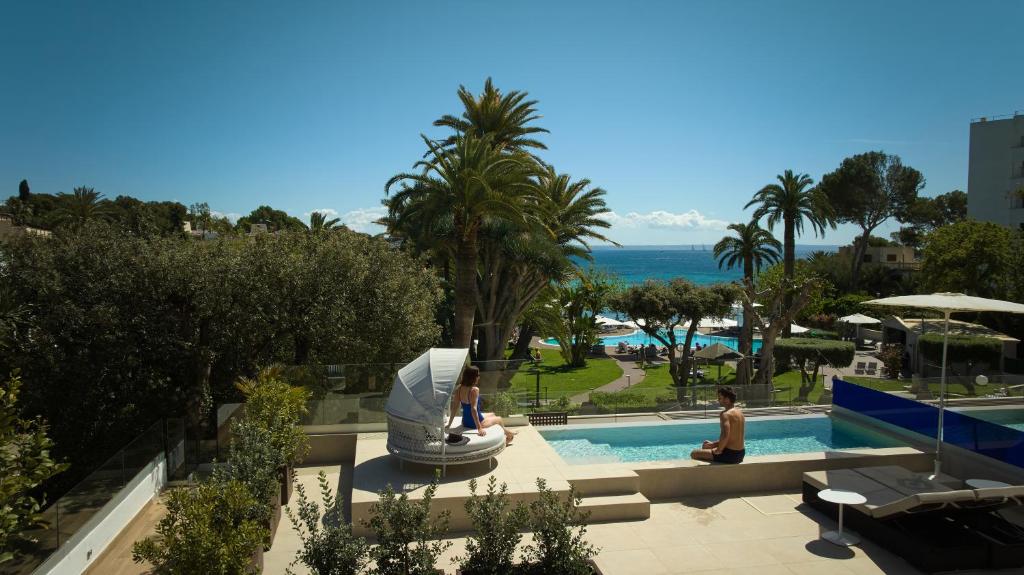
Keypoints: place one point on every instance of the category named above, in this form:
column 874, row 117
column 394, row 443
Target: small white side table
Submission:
column 841, row 497
column 985, row 484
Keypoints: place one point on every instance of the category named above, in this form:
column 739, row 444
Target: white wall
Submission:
column 89, row 542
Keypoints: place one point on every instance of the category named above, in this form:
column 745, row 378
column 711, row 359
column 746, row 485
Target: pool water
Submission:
column 640, row 338
column 1010, row 417
column 662, row 441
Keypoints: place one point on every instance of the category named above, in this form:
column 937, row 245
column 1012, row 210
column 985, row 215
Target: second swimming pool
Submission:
column 588, row 444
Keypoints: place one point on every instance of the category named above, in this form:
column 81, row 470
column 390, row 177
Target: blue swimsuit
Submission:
column 467, row 413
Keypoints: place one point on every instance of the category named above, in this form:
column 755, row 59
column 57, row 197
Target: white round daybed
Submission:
column 418, row 409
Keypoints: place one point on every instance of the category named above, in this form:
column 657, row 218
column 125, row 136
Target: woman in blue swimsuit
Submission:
column 467, row 395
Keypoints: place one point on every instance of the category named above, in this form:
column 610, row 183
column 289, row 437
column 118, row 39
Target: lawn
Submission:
column 557, row 379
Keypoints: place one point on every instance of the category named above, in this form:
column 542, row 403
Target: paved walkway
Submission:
column 631, row 375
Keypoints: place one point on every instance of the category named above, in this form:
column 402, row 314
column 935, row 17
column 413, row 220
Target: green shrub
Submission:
column 26, row 463
column 611, row 401
column 962, row 349
column 277, row 407
column 891, row 357
column 207, row 529
column 328, row 546
column 253, row 462
column 822, row 334
column 497, row 524
column 559, row 530
column 505, row 404
column 407, row 533
column 563, row 403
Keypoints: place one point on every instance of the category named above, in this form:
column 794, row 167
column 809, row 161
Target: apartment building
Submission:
column 995, row 178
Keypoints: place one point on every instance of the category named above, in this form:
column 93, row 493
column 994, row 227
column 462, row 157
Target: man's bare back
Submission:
column 730, row 447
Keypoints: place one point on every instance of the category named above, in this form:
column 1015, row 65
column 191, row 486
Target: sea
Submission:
column 634, row 264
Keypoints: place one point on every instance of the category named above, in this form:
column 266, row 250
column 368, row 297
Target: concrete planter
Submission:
column 275, row 517
column 285, row 475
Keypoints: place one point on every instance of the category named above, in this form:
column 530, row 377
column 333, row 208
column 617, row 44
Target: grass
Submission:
column 560, row 380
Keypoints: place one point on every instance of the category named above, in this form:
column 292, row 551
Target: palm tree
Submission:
column 791, row 202
column 518, row 262
column 318, row 222
column 573, row 211
column 472, row 180
column 752, row 247
column 503, row 117
column 81, row 206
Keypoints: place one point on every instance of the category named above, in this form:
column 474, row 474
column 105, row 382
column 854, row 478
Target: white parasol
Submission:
column 947, row 303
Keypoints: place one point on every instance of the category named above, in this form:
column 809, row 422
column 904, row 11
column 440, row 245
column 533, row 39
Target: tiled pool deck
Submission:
column 764, row 530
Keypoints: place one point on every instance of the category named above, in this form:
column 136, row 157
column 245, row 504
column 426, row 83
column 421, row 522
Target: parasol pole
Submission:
column 942, row 397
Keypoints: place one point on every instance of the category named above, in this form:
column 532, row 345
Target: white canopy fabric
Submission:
column 950, row 302
column 794, row 328
column 423, row 388
column 858, row 319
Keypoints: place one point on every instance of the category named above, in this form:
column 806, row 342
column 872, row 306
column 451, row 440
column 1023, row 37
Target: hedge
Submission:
column 962, row 348
column 836, row 353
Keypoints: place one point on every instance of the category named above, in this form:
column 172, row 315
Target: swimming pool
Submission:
column 1012, row 417
column 640, row 338
column 588, row 444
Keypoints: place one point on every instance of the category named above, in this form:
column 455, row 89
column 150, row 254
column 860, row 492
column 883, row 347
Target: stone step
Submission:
column 633, row 507
column 625, row 482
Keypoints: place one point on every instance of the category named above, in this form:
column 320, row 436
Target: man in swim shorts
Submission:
column 729, row 447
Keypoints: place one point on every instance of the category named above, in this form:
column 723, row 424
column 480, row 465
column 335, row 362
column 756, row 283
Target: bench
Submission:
column 548, row 418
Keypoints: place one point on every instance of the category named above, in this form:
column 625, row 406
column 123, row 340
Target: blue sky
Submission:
column 680, row 110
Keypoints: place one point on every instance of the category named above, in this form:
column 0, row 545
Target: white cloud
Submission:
column 362, row 220
column 660, row 219
column 231, row 216
column 329, row 212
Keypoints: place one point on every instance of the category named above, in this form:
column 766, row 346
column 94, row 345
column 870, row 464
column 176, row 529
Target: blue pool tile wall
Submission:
column 981, row 436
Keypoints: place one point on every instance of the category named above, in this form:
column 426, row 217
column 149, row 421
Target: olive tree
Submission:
column 661, row 308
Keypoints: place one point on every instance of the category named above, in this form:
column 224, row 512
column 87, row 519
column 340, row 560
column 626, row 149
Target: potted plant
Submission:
column 408, row 533
column 207, row 529
column 328, row 546
column 491, row 550
column 559, row 530
column 253, row 462
column 278, row 407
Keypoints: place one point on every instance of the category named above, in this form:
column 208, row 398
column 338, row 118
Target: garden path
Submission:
column 631, row 375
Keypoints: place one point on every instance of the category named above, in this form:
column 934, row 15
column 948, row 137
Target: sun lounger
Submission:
column 872, row 368
column 932, row 525
column 859, row 369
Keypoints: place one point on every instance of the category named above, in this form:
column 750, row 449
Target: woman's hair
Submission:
column 470, row 375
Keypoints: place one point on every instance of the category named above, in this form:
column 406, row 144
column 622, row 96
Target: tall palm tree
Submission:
column 573, row 211
column 318, row 222
column 81, row 206
column 791, row 201
column 503, row 117
column 752, row 247
column 517, row 262
column 470, row 181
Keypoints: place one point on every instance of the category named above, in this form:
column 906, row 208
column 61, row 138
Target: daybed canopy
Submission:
column 423, row 388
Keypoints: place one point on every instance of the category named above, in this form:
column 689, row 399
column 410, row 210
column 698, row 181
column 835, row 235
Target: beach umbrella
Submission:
column 794, row 328
column 858, row 319
column 718, row 352
column 947, row 303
